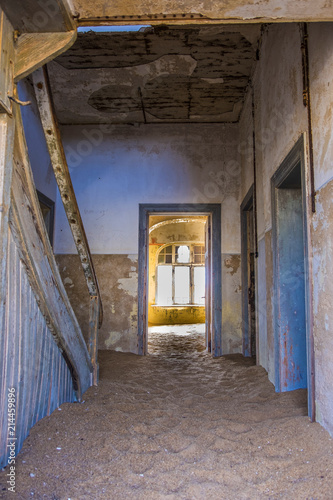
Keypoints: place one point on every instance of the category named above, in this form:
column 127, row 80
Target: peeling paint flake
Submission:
column 129, row 285
column 232, row 264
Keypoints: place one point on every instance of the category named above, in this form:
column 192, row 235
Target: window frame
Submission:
column 174, row 264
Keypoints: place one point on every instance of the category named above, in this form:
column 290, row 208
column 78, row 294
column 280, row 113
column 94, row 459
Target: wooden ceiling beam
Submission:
column 33, row 50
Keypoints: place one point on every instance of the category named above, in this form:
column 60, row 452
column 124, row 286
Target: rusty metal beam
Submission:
column 60, row 167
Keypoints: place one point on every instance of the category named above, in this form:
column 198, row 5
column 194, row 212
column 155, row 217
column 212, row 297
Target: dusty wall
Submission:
column 231, row 304
column 113, row 170
column 321, row 57
column 322, row 231
column 280, row 119
column 117, row 278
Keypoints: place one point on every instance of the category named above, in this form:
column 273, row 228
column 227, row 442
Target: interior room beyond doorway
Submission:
column 176, row 269
column 177, row 283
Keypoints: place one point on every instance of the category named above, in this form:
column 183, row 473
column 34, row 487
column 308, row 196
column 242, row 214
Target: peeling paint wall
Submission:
column 280, row 116
column 280, row 119
column 113, row 170
column 321, row 57
column 245, row 146
column 117, row 278
column 231, row 304
column 322, row 231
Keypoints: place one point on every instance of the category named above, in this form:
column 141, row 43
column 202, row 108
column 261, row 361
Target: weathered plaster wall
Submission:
column 38, row 154
column 321, row 61
column 280, row 119
column 322, row 231
column 245, row 146
column 321, row 57
column 280, row 114
column 189, row 230
column 113, row 170
column 117, row 278
column 231, row 304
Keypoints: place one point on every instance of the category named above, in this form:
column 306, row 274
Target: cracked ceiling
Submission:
column 162, row 74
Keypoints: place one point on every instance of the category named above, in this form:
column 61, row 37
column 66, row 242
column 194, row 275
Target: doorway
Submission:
column 172, row 258
column 248, row 276
column 292, row 324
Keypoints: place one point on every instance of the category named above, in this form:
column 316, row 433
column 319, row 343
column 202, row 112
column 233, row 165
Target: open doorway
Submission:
column 248, row 276
column 176, row 281
column 292, row 324
column 180, row 269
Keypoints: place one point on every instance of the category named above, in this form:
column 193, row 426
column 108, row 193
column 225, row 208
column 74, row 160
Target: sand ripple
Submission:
column 177, row 425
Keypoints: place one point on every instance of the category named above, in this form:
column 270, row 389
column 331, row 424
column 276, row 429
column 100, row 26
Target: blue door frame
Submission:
column 214, row 211
column 294, row 354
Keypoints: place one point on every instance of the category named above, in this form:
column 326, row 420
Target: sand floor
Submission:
column 177, row 424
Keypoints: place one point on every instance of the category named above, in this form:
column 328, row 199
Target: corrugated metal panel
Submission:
column 32, row 362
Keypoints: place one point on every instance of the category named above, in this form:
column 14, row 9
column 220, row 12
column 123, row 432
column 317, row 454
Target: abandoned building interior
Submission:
column 164, row 165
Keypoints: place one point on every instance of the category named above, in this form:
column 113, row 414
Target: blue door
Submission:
column 291, row 312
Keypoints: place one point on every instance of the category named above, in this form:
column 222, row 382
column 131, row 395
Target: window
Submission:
column 180, row 274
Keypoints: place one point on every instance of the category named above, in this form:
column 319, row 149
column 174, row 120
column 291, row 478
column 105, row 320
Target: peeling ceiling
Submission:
column 162, row 74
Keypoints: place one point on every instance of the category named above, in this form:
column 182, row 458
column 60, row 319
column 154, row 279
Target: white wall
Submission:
column 115, row 168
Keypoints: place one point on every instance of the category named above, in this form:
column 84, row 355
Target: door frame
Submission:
column 296, row 156
column 247, row 203
column 213, row 210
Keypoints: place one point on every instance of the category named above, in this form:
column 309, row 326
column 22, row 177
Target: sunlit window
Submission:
column 199, row 285
column 164, row 292
column 180, row 274
column 182, row 285
column 183, row 254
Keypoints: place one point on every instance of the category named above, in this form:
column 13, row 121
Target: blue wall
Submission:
column 38, row 154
